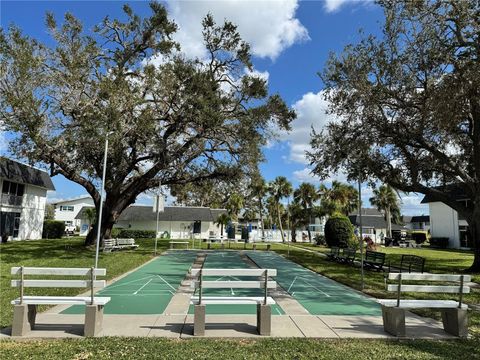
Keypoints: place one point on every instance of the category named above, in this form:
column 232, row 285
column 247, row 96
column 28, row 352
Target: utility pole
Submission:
column 361, row 228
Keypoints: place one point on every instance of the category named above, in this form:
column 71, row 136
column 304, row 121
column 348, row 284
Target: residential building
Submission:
column 67, row 210
column 180, row 222
column 374, row 224
column 417, row 222
column 23, row 199
column 446, row 222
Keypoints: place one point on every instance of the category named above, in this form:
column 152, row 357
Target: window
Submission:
column 16, row 225
column 12, row 188
column 66, row 208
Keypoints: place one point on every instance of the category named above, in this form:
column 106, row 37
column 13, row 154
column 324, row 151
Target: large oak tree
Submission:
column 176, row 122
column 408, row 104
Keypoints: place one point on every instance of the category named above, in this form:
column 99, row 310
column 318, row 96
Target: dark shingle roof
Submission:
column 377, row 222
column 170, row 213
column 420, row 218
column 20, row 173
column 367, row 212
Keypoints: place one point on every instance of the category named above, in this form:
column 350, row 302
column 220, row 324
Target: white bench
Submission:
column 172, row 243
column 454, row 313
column 25, row 307
column 264, row 312
column 118, row 244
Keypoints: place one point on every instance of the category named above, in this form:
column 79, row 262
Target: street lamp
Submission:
column 361, row 227
column 99, row 221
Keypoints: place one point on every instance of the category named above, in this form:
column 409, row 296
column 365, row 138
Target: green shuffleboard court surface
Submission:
column 147, row 290
column 316, row 293
column 230, row 260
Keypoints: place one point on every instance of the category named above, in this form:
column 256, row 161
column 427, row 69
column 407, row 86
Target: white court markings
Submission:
column 140, row 288
column 299, row 279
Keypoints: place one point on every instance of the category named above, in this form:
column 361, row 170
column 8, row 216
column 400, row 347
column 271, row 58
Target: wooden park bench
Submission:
column 347, row 256
column 264, row 311
column 410, row 263
column 125, row 244
column 454, row 313
column 374, row 260
column 25, row 307
column 176, row 242
column 333, row 254
column 109, row 245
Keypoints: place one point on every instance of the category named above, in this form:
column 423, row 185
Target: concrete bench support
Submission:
column 394, row 320
column 199, row 320
column 93, row 320
column 455, row 322
column 264, row 319
column 20, row 324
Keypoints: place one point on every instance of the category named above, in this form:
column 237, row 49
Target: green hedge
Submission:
column 53, row 229
column 136, row 234
column 339, row 232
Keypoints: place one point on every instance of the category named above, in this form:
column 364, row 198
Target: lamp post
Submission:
column 157, row 209
column 361, row 228
column 99, row 221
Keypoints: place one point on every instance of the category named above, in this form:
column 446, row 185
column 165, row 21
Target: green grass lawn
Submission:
column 55, row 253
column 67, row 252
column 160, row 348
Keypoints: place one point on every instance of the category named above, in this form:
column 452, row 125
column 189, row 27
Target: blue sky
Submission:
column 290, row 41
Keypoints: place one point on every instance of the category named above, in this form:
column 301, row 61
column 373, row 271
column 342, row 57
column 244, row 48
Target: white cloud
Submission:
column 334, row 5
column 311, row 111
column 268, row 26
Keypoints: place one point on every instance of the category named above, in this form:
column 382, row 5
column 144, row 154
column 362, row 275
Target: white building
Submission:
column 446, row 223
column 67, row 210
column 180, row 222
column 23, row 199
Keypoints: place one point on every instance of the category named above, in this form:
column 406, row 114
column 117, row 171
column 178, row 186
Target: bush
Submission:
column 319, row 240
column 53, row 229
column 115, row 233
column 136, row 234
column 339, row 232
column 439, row 242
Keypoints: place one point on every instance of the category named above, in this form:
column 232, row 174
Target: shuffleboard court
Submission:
column 230, row 260
column 316, row 293
column 147, row 290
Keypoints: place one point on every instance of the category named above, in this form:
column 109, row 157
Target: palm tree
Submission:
column 234, row 205
column 222, row 220
column 279, row 189
column 91, row 215
column 340, row 197
column 305, row 196
column 259, row 191
column 385, row 199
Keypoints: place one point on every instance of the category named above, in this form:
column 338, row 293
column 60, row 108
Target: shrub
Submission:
column 136, row 234
column 319, row 240
column 115, row 233
column 370, row 245
column 439, row 242
column 53, row 229
column 339, row 232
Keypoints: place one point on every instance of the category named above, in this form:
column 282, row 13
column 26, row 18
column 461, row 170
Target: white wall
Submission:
column 444, row 223
column 70, row 215
column 32, row 212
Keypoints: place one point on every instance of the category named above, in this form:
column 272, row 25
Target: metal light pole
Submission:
column 361, row 228
column 158, row 215
column 99, row 221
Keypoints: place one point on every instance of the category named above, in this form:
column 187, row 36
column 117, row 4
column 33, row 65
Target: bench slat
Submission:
column 57, row 271
column 217, row 300
column 430, row 288
column 59, row 283
column 429, row 277
column 234, row 272
column 418, row 304
column 61, row 300
column 237, row 284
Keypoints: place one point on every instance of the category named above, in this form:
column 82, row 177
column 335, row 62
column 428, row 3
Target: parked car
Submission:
column 70, row 229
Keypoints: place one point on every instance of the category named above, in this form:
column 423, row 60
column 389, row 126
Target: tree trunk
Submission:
column 260, row 210
column 309, row 234
column 474, row 226
column 389, row 222
column 221, row 230
column 109, row 217
column 294, row 234
column 280, row 223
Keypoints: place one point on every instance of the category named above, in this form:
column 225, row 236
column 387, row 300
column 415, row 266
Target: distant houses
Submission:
column 374, row 224
column 67, row 210
column 178, row 221
column 23, row 199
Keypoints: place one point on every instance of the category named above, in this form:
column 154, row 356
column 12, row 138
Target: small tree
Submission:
column 385, row 199
column 305, row 196
column 339, row 231
column 279, row 189
column 49, row 212
column 91, row 215
column 222, row 220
